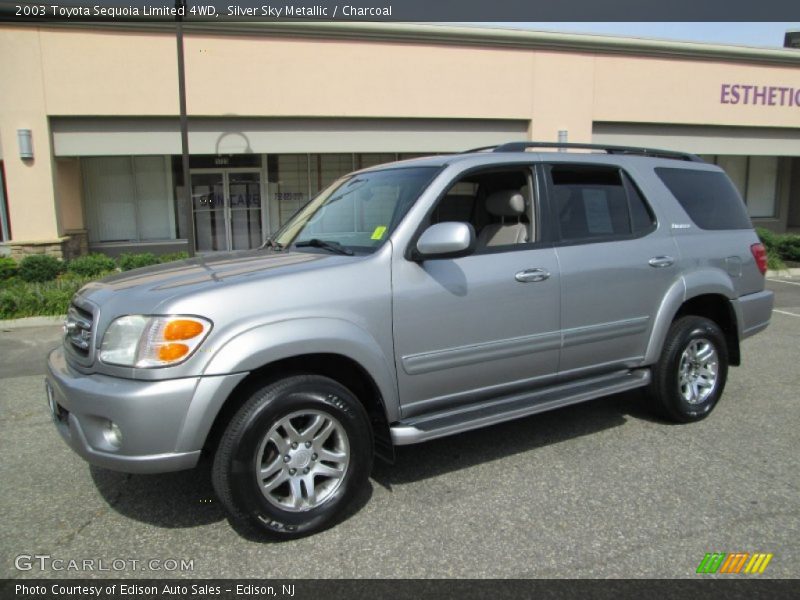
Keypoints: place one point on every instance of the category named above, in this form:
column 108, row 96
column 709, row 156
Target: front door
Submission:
column 484, row 325
column 227, row 210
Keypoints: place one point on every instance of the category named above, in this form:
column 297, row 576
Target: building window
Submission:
column 362, row 161
column 756, row 178
column 288, row 185
column 762, row 186
column 736, row 168
column 296, row 178
column 327, row 168
column 128, row 198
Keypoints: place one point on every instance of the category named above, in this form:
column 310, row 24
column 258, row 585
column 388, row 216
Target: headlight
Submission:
column 142, row 341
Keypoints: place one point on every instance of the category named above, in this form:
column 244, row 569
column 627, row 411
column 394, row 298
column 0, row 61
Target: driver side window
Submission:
column 497, row 203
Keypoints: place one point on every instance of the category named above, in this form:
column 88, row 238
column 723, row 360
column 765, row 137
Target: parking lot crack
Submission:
column 98, row 514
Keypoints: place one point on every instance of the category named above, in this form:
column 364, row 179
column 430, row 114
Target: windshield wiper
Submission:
column 326, row 245
column 270, row 243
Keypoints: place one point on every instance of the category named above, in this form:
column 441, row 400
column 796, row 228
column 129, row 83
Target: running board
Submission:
column 474, row 416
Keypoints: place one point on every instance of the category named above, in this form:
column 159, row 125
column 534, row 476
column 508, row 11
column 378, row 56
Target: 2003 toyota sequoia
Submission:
column 411, row 301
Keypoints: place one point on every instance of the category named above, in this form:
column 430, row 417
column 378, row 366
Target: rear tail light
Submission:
column 760, row 254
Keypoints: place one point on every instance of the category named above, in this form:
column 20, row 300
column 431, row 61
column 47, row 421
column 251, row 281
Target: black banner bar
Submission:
column 735, row 587
column 403, row 10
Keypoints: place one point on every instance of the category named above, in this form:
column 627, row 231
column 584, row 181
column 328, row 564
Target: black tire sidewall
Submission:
column 277, row 401
column 682, row 333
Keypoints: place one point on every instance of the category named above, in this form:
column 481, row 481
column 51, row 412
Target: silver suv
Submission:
column 408, row 302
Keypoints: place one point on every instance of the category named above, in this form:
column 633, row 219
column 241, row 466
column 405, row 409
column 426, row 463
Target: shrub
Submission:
column 39, row 267
column 767, row 237
column 789, row 247
column 783, row 246
column 774, row 261
column 134, row 261
column 164, row 258
column 20, row 299
column 8, row 268
column 91, row 265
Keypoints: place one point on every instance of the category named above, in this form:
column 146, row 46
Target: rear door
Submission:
column 616, row 265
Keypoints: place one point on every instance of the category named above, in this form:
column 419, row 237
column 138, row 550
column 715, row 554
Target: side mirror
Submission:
column 446, row 240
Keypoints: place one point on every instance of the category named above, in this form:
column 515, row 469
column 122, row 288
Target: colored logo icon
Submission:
column 734, row 562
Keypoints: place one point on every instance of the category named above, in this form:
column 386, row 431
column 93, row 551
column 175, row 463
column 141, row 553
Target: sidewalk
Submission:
column 9, row 324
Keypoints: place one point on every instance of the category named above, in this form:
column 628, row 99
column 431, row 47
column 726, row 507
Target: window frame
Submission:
column 539, row 219
column 628, row 183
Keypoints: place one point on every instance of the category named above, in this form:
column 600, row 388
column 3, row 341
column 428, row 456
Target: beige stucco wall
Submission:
column 109, row 73
column 252, row 76
column 31, row 202
column 562, row 96
column 654, row 90
column 55, row 72
column 346, row 79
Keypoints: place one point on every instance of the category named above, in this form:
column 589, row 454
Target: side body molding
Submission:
column 264, row 344
column 690, row 285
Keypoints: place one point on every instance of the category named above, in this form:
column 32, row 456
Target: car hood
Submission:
column 151, row 285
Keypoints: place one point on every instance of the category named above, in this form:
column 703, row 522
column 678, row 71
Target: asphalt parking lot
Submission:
column 596, row 490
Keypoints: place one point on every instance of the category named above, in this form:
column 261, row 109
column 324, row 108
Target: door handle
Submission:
column 529, row 275
column 659, row 262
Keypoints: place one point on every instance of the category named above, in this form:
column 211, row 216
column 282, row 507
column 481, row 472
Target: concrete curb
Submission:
column 8, row 324
column 792, row 272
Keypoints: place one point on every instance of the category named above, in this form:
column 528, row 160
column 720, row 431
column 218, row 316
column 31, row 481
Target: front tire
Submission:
column 690, row 376
column 294, row 457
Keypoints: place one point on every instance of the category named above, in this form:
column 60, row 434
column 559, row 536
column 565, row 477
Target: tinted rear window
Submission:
column 708, row 197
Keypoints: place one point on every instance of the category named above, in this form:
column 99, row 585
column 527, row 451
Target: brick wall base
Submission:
column 75, row 243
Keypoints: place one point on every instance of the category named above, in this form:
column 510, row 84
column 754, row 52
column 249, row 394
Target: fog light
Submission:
column 113, row 434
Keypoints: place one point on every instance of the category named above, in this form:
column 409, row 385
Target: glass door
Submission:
column 208, row 206
column 226, row 206
column 244, row 194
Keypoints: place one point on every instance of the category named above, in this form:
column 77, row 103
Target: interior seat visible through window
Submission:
column 509, row 205
column 496, row 202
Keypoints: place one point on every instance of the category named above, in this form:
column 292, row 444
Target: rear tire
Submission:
column 294, row 457
column 690, row 376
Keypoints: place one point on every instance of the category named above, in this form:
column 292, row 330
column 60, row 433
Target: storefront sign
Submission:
column 763, row 95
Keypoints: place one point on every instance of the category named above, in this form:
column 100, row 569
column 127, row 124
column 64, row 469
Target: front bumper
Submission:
column 163, row 424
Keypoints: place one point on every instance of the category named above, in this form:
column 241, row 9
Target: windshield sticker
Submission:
column 378, row 233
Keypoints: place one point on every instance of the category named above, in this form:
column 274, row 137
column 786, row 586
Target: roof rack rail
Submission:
column 481, row 149
column 522, row 146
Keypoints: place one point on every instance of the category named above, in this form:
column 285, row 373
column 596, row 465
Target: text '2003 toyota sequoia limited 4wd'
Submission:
column 411, row 301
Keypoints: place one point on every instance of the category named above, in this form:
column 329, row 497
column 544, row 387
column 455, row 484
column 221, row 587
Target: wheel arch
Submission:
column 706, row 294
column 342, row 369
column 333, row 347
column 717, row 308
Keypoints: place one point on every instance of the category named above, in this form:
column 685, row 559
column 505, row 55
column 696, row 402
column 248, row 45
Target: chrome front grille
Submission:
column 78, row 330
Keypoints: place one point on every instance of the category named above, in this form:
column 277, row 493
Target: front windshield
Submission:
column 358, row 211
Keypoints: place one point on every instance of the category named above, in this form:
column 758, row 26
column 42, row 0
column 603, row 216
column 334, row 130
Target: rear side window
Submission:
column 595, row 203
column 708, row 197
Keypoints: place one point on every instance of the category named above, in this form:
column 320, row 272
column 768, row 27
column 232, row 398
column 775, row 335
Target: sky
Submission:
column 742, row 34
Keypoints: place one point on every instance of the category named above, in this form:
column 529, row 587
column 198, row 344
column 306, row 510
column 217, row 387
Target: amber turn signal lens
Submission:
column 182, row 329
column 170, row 352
